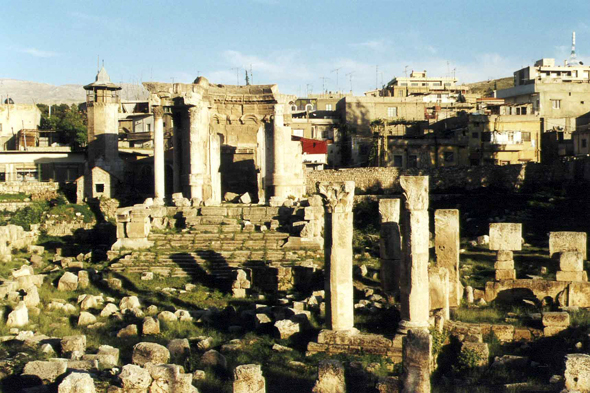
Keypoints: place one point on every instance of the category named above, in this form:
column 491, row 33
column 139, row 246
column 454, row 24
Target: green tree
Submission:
column 69, row 121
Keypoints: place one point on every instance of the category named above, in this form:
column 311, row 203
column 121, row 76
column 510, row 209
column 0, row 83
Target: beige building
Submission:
column 558, row 94
column 16, row 117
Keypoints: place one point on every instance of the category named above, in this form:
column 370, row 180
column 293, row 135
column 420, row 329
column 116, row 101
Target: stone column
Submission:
column 338, row 199
column 176, row 152
column 390, row 245
column 159, row 182
column 197, row 128
column 414, row 282
column 505, row 238
column 447, row 246
column 570, row 247
column 278, row 173
column 417, row 348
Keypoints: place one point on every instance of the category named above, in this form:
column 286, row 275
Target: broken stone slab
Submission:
column 417, row 347
column 481, row 349
column 508, row 274
column 109, row 310
column 556, row 319
column 287, row 328
column 505, row 236
column 86, row 319
column 167, row 316
column 128, row 331
column 330, row 377
column 70, row 344
column 107, row 356
column 25, row 270
column 145, row 352
column 47, row 371
column 68, row 282
column 248, row 379
column 83, row 279
column 129, row 302
column 31, row 298
column 135, row 378
column 150, row 326
column 214, row 359
column 19, row 317
column 180, row 350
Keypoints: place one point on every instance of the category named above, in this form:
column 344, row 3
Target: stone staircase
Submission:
column 213, row 247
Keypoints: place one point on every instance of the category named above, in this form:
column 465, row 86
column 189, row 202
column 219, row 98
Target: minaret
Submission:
column 103, row 101
column 573, row 61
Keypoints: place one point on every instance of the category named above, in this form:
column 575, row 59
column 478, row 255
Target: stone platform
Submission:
column 334, row 342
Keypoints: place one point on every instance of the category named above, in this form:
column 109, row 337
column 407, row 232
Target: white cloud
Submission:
column 38, row 52
column 375, row 45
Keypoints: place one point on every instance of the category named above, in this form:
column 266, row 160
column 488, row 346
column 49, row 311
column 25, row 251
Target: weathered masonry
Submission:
column 226, row 139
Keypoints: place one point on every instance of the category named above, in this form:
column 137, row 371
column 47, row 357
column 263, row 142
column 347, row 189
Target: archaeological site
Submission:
column 193, row 232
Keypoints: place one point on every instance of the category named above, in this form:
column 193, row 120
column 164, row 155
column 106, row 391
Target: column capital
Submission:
column 338, row 197
column 415, row 192
column 158, row 112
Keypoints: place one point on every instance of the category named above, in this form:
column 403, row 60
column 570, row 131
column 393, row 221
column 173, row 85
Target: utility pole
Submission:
column 336, row 71
column 309, row 89
column 349, row 75
column 251, row 75
column 237, row 74
column 406, row 71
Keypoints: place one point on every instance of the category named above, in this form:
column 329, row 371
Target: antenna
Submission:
column 309, row 89
column 336, row 70
column 448, row 68
column 349, row 75
column 251, row 75
column 324, row 79
column 237, row 74
column 97, row 63
column 376, row 77
column 406, row 71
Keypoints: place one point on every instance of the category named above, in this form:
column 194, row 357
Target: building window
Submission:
column 414, row 84
column 309, row 108
column 518, row 111
column 398, row 161
column 584, row 143
column 526, row 136
column 149, row 127
column 449, row 156
column 400, row 93
column 523, row 111
column 486, row 136
column 412, row 161
column 392, row 111
column 556, row 104
column 475, row 135
column 0, row 127
column 328, row 107
column 298, row 132
column 99, row 187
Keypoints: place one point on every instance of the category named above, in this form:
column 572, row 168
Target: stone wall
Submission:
column 13, row 206
column 30, row 188
column 509, row 177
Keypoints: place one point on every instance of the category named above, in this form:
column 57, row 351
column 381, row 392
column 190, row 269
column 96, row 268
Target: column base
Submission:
column 404, row 326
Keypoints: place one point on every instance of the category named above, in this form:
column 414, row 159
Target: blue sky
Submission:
column 292, row 43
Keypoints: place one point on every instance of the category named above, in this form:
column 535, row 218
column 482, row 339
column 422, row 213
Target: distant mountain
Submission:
column 25, row 92
column 486, row 88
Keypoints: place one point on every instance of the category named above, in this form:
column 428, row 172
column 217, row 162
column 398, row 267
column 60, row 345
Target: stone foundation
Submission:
column 333, row 342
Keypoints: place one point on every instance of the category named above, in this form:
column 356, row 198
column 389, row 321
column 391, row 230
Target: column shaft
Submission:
column 159, row 162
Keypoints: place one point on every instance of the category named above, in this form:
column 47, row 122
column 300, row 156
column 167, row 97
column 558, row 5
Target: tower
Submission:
column 103, row 101
column 573, row 61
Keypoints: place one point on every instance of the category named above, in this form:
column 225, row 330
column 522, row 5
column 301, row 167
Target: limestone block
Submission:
column 19, row 317
column 388, row 385
column 31, row 298
column 505, row 237
column 137, row 230
column 135, row 377
column 439, row 290
column 71, row 344
column 508, row 274
column 107, row 356
column 109, row 310
column 214, row 359
column 145, row 352
column 417, row 347
column 287, row 328
column 86, row 319
column 571, row 261
column 556, row 319
column 504, row 265
column 504, row 333
column 567, row 241
column 47, row 371
column 571, row 276
column 89, row 301
column 505, row 256
column 77, row 383
column 180, row 350
column 128, row 331
column 447, row 248
column 25, row 270
column 183, row 316
column 150, row 326
column 577, row 372
column 549, row 331
column 129, row 302
column 167, row 316
column 68, row 282
column 331, row 377
column 481, row 349
column 248, row 379
column 245, row 198
column 83, row 279
column 26, row 281
column 469, row 294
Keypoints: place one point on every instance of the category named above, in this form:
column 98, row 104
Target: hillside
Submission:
column 486, row 88
column 25, row 92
